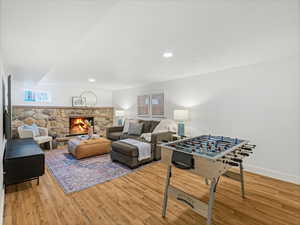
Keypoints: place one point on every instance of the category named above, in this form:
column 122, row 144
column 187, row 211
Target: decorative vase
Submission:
column 181, row 128
column 90, row 132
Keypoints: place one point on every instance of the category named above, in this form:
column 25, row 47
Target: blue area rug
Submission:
column 75, row 175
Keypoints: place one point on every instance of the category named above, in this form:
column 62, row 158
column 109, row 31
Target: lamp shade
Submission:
column 181, row 114
column 119, row 113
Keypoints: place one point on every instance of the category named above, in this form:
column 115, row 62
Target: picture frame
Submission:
column 78, row 101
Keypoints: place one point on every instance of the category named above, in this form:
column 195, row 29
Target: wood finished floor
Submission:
column 136, row 199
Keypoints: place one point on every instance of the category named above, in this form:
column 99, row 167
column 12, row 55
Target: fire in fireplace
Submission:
column 78, row 125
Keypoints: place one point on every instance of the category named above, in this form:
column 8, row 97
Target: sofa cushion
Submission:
column 135, row 128
column 124, row 136
column 42, row 139
column 115, row 135
column 125, row 148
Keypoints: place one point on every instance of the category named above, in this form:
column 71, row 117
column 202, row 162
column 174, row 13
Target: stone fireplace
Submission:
column 57, row 119
column 79, row 125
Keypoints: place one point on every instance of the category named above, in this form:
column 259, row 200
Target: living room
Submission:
column 150, row 112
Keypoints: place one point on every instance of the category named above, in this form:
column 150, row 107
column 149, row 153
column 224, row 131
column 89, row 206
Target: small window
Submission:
column 158, row 105
column 143, row 105
column 36, row 96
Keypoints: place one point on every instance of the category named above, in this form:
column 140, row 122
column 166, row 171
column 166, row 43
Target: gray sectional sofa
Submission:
column 128, row 154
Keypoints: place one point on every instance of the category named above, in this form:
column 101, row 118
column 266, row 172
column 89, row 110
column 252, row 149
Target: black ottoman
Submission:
column 127, row 154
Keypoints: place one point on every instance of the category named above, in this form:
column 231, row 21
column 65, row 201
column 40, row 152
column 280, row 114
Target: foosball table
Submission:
column 210, row 157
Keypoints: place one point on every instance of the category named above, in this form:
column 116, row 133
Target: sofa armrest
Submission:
column 114, row 129
column 155, row 139
column 43, row 131
column 163, row 136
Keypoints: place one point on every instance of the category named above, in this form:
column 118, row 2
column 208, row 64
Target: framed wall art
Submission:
column 78, row 101
column 143, row 105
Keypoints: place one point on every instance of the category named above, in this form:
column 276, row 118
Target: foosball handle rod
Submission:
column 247, row 149
column 229, row 162
column 232, row 163
column 250, row 146
column 233, row 158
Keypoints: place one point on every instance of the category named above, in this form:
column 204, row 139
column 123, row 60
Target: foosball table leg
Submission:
column 206, row 181
column 165, row 203
column 242, row 180
column 212, row 195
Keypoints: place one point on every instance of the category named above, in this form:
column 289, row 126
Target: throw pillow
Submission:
column 34, row 128
column 135, row 128
column 166, row 125
column 154, row 125
column 126, row 125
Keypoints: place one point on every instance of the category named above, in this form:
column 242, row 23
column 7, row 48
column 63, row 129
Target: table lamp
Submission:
column 120, row 114
column 181, row 115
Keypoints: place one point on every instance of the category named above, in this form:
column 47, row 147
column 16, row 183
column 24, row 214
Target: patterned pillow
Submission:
column 135, row 128
column 126, row 125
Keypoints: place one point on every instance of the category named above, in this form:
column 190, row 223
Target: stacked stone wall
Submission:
column 56, row 119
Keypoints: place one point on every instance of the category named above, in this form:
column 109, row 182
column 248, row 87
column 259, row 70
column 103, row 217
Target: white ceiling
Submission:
column 120, row 42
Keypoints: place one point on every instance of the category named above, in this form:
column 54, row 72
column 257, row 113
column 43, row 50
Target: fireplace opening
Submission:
column 78, row 125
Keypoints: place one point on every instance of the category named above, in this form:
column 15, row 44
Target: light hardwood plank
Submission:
column 136, row 199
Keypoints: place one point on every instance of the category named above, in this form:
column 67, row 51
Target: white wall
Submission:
column 258, row 102
column 61, row 95
column 2, row 143
column 2, row 140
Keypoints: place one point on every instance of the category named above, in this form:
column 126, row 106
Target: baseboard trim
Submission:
column 272, row 173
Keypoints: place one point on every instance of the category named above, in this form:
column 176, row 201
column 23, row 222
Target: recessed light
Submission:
column 91, row 80
column 168, row 54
